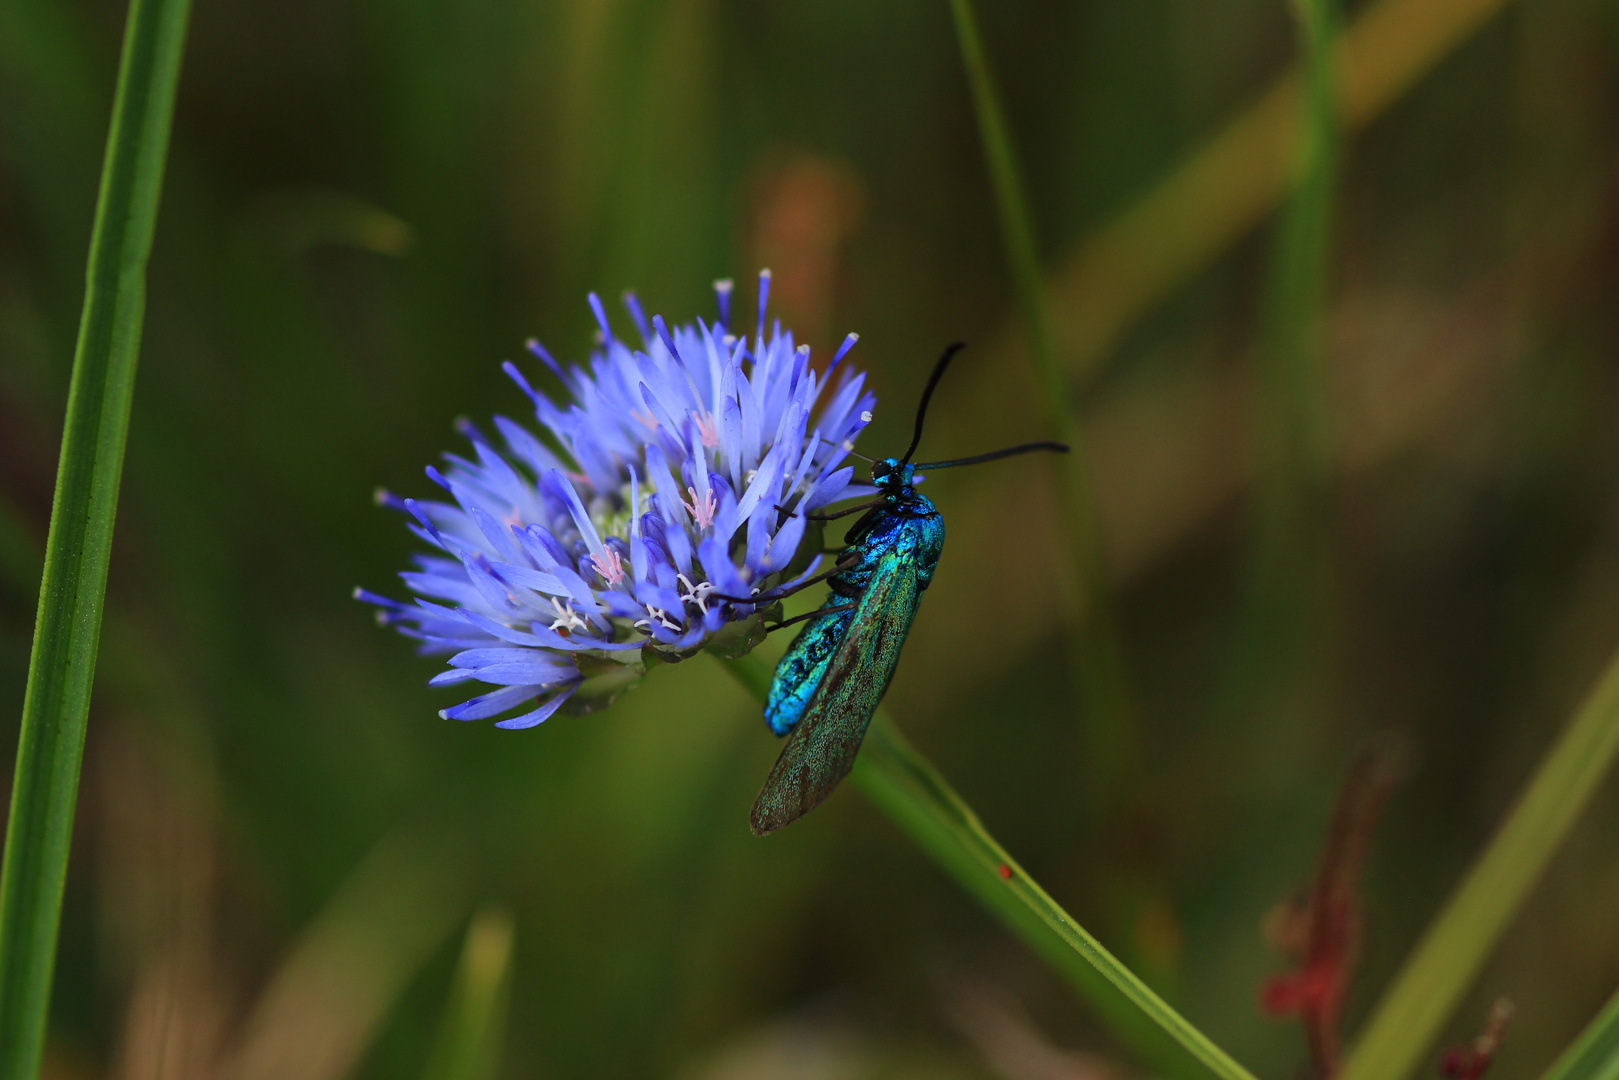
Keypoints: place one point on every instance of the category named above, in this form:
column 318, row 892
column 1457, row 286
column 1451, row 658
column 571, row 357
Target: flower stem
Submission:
column 1096, row 662
column 68, row 627
column 906, row 787
column 1454, row 947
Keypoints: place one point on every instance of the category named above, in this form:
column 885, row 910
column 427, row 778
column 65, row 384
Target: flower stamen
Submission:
column 695, row 594
column 703, row 509
column 658, row 615
column 567, row 619
column 610, row 566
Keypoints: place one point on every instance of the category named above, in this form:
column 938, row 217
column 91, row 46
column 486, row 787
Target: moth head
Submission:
column 891, row 473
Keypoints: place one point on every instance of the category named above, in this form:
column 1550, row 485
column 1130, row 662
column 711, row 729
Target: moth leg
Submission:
column 855, row 509
column 844, row 563
column 833, row 517
column 810, row 615
column 847, row 590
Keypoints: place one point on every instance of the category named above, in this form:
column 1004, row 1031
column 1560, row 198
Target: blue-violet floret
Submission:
column 680, row 473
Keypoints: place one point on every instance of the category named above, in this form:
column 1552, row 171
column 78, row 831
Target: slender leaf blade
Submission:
column 68, row 626
column 1219, row 191
column 1409, row 1015
column 468, row 1042
column 1594, row 1055
column 1096, row 662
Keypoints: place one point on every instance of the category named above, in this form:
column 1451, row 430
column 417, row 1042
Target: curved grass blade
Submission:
column 331, row 994
column 468, row 1043
column 68, row 626
column 1292, row 378
column 1096, row 663
column 1280, row 646
column 910, row 791
column 1226, row 185
column 1594, row 1055
column 1409, row 1015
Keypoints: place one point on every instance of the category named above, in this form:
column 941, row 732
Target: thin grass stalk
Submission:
column 1227, row 185
column 1408, row 1017
column 1096, row 665
column 1277, row 665
column 68, row 626
column 469, row 1037
column 1292, row 355
column 905, row 786
column 1594, row 1054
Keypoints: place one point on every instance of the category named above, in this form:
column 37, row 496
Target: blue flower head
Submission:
column 679, row 473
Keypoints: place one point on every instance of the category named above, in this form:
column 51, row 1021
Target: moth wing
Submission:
column 822, row 748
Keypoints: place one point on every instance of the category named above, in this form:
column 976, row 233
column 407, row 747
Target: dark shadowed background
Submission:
column 369, row 205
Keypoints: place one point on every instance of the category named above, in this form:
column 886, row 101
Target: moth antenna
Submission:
column 927, row 394
column 996, row 455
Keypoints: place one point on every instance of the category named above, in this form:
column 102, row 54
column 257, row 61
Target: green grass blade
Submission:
column 468, row 1043
column 1595, row 1054
column 1292, row 376
column 1097, row 660
column 1408, row 1017
column 329, row 996
column 68, row 626
column 1278, row 663
column 910, row 791
column 1229, row 183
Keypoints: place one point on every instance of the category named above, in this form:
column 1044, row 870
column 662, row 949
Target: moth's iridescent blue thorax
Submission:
column 903, row 534
column 905, row 520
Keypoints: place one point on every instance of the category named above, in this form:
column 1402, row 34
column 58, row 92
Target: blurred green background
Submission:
column 369, row 205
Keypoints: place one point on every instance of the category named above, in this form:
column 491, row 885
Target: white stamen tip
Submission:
column 865, row 416
column 567, row 619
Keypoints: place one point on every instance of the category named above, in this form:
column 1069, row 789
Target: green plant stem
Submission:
column 468, row 1043
column 1292, row 378
column 1594, row 1055
column 68, row 626
column 1279, row 664
column 1096, row 665
column 1425, row 992
column 901, row 782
